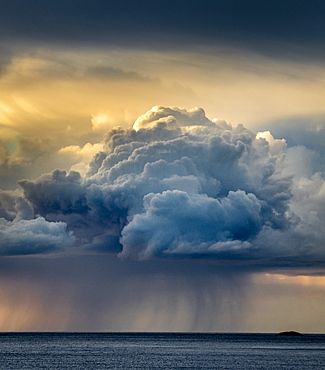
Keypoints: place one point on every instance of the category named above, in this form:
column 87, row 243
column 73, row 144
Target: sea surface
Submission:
column 160, row 351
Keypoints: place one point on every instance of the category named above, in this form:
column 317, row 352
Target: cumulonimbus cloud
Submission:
column 179, row 185
column 176, row 185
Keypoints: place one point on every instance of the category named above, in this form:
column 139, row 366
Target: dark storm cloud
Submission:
column 59, row 196
column 56, row 192
column 21, row 233
column 289, row 27
column 177, row 185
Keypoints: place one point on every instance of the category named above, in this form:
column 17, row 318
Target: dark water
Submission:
column 160, row 351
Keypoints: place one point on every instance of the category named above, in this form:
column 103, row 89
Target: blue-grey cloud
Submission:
column 33, row 236
column 178, row 223
column 288, row 27
column 23, row 233
column 56, row 192
column 179, row 185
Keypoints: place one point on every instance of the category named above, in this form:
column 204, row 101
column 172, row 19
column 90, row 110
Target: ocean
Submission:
column 160, row 351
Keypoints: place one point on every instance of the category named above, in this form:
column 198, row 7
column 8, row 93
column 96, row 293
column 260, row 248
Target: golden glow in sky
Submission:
column 54, row 91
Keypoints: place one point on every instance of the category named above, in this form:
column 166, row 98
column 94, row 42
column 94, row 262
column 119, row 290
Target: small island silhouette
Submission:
column 290, row 333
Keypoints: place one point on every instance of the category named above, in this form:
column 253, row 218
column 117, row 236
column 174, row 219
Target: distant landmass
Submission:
column 290, row 333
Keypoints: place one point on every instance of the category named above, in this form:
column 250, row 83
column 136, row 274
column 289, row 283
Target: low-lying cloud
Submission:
column 22, row 233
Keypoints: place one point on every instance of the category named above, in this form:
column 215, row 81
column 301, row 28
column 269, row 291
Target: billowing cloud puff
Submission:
column 177, row 222
column 22, row 233
column 56, row 192
column 33, row 237
column 172, row 117
column 178, row 185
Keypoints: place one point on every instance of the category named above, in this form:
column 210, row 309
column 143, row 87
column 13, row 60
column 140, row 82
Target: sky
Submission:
column 162, row 165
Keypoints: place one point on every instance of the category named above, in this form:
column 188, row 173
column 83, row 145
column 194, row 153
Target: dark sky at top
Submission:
column 291, row 28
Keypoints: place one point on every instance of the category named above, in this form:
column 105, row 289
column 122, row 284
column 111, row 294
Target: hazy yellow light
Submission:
column 5, row 111
column 79, row 157
column 304, row 280
column 100, row 121
column 28, row 312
